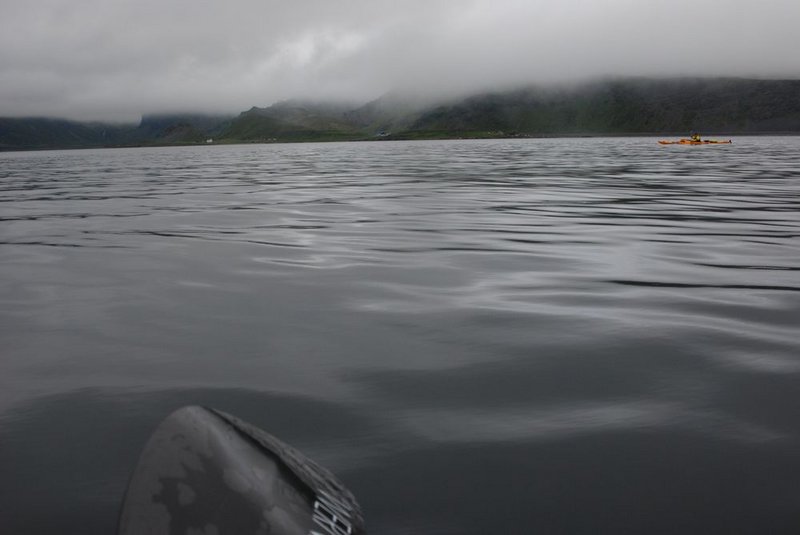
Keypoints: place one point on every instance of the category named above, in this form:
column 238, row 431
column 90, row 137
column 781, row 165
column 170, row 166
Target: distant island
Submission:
column 625, row 106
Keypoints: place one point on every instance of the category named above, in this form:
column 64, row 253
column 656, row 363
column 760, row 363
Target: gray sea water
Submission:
column 509, row 336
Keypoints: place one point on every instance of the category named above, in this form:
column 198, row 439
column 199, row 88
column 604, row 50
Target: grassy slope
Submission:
column 625, row 106
column 292, row 121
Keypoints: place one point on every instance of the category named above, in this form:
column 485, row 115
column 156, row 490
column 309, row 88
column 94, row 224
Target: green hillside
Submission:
column 42, row 133
column 293, row 121
column 184, row 128
column 627, row 106
column 607, row 107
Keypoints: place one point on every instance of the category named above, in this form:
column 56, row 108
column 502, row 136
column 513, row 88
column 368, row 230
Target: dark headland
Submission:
column 625, row 106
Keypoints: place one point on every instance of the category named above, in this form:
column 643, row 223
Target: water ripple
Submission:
column 490, row 305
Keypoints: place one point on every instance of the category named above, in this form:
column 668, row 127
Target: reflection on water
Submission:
column 478, row 337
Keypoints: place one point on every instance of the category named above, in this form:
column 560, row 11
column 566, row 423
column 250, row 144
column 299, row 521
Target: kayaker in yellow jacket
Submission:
column 696, row 137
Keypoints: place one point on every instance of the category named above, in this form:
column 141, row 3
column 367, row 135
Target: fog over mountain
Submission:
column 100, row 60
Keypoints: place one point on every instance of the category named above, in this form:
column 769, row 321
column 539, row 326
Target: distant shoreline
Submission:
column 388, row 138
column 628, row 107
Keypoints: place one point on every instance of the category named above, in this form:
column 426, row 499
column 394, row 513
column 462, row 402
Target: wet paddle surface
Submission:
column 511, row 336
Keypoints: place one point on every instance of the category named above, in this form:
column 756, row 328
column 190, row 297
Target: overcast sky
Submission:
column 117, row 59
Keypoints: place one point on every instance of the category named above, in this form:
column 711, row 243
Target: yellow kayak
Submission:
column 693, row 142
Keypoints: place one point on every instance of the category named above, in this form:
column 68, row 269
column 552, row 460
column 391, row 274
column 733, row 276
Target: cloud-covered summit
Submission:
column 97, row 59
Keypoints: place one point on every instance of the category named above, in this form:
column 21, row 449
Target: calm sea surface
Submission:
column 526, row 336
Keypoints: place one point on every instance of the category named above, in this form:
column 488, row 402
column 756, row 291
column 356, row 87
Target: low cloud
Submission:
column 96, row 59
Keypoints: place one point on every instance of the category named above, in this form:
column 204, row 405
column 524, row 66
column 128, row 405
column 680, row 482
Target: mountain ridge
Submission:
column 612, row 106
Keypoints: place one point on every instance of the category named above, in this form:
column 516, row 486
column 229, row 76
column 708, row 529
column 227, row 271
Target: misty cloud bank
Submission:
column 114, row 60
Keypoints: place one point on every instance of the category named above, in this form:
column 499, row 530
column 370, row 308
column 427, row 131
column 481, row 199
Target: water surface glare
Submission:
column 508, row 336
